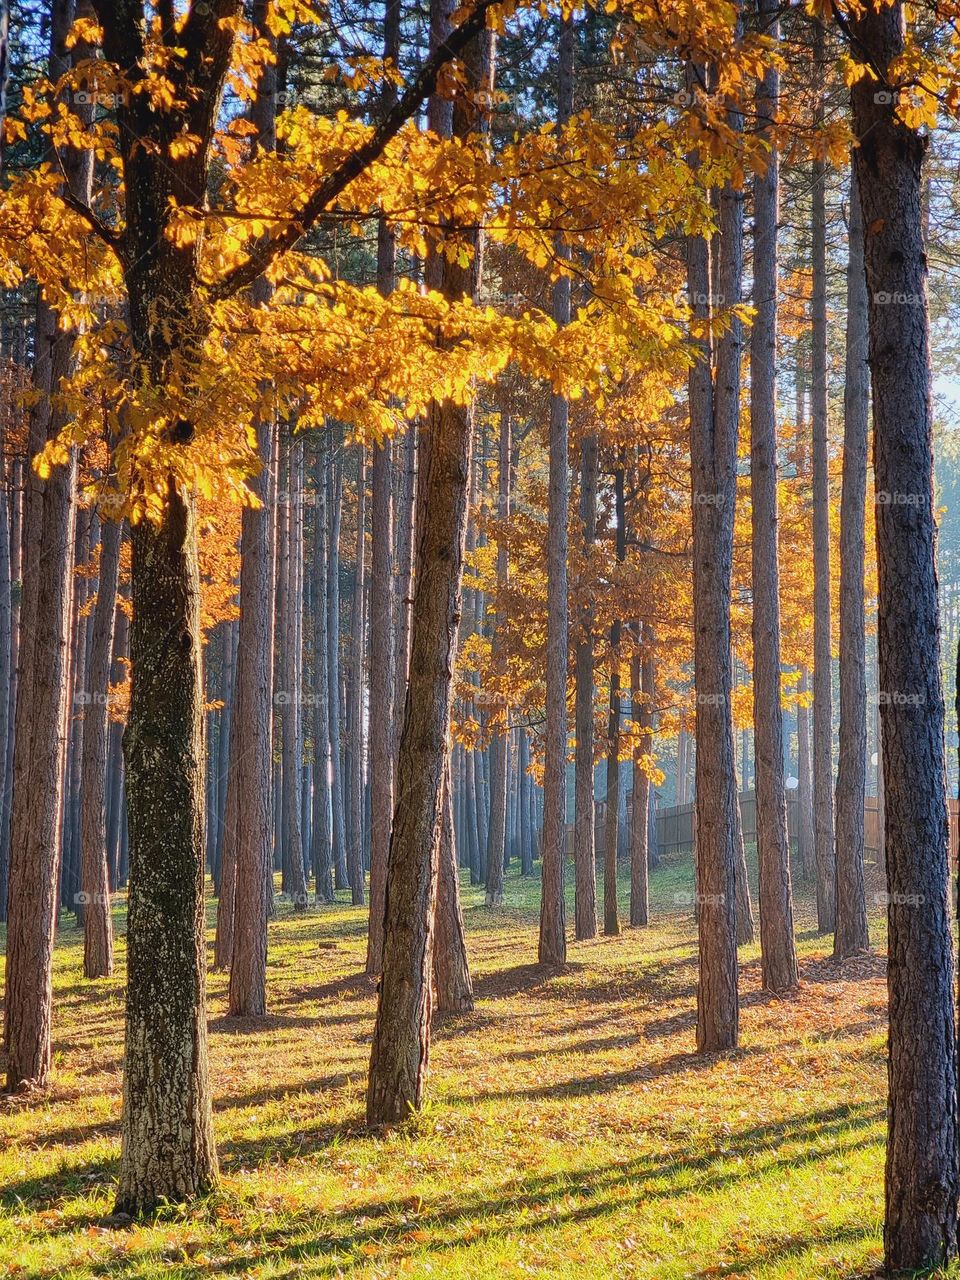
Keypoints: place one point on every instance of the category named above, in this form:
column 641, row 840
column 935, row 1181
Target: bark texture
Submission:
column 920, row 1228
column 778, row 959
column 822, row 742
column 713, row 455
column 852, row 935
column 94, row 879
column 401, row 1038
column 553, row 940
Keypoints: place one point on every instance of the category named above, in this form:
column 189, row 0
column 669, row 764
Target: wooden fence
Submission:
column 675, row 825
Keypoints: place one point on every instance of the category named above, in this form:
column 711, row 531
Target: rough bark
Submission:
column 355, row 725
column 94, row 879
column 778, row 959
column 168, row 1150
column 852, row 934
column 552, row 948
column 713, row 455
column 822, row 674
column 334, row 508
column 382, row 679
column 643, row 682
column 497, row 830
column 40, row 734
column 290, row 694
column 611, row 831
column 584, row 820
column 453, row 986
column 920, row 1228
column 401, row 1039
column 320, row 843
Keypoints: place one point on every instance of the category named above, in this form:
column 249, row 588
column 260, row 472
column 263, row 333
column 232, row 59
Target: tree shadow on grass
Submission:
column 349, row 1236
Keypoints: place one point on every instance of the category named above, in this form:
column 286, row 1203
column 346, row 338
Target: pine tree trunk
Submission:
column 453, row 987
column 95, row 882
column 497, row 833
column 401, row 1039
column 611, row 918
column 823, row 834
column 852, row 935
column 584, row 812
column 805, row 853
column 291, row 713
column 553, row 942
column 321, row 838
column 382, row 611
column 40, row 737
column 334, row 509
column 355, row 860
column 642, row 695
column 920, row 1229
column 778, row 958
column 713, row 455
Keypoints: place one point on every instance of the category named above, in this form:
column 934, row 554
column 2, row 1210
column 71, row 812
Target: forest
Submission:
column 479, row 639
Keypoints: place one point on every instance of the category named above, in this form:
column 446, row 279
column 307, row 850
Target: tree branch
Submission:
column 267, row 248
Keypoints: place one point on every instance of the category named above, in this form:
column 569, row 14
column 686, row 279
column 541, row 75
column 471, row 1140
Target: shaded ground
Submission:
column 571, row 1132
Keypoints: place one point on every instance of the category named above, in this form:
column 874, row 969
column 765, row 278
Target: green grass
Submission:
column 570, row 1129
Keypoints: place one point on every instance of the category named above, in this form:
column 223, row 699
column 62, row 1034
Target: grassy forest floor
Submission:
column 570, row 1131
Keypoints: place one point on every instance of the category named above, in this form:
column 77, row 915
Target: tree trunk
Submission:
column 497, row 831
column 804, row 786
column 355, row 860
column 334, row 509
column 584, row 820
column 294, row 881
column 401, row 1038
column 553, row 942
column 852, row 935
column 778, row 958
column 321, row 836
column 822, row 676
column 642, row 702
column 40, row 734
column 382, row 675
column 168, row 1148
column 713, row 456
column 95, row 882
column 920, row 1229
column 611, row 919
column 453, row 987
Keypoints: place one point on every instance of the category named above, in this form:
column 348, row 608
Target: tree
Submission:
column 822, row 737
column 920, row 1228
column 94, row 878
column 381, row 588
column 778, row 960
column 401, row 1037
column 713, row 470
column 584, row 820
column 251, row 741
column 40, row 736
column 497, row 831
column 553, row 942
column 851, row 933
